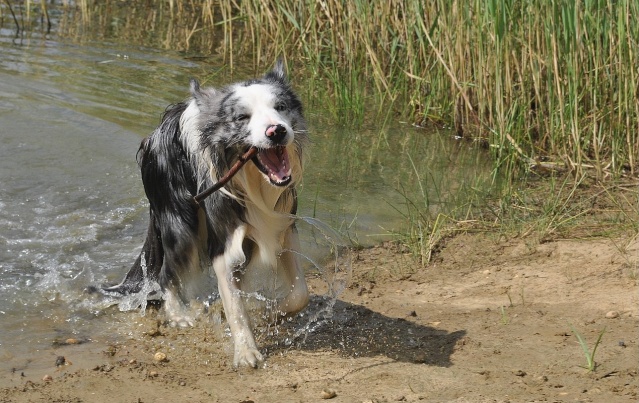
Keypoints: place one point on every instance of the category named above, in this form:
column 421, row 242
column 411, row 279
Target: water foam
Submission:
column 150, row 290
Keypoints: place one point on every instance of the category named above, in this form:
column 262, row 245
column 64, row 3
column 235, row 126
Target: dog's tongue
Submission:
column 275, row 160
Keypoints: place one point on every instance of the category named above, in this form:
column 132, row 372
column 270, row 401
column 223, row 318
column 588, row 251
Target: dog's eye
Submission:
column 240, row 117
column 280, row 106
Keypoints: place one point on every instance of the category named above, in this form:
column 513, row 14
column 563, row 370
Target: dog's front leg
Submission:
column 298, row 297
column 245, row 349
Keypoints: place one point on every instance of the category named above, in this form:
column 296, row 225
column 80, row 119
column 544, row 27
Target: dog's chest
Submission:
column 268, row 232
column 267, row 224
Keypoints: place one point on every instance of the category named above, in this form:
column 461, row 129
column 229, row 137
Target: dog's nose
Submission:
column 276, row 133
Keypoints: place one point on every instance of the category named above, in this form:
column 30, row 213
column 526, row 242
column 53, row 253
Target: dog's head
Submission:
column 264, row 113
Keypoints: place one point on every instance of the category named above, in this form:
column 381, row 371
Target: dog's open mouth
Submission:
column 274, row 163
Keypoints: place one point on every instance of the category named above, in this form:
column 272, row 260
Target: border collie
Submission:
column 246, row 228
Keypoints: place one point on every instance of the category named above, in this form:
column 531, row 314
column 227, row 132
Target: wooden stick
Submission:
column 227, row 177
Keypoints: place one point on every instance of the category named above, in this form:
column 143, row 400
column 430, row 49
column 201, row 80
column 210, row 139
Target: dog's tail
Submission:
column 145, row 269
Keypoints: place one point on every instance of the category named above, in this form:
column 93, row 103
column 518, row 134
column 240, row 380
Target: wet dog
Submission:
column 244, row 229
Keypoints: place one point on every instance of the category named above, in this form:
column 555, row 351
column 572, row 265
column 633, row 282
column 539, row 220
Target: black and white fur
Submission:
column 245, row 227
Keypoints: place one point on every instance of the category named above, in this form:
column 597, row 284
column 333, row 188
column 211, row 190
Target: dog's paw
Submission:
column 176, row 312
column 247, row 357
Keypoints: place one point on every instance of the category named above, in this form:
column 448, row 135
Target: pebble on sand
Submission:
column 328, row 394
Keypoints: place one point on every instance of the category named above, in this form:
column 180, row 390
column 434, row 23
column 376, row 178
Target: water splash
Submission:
column 337, row 268
column 150, row 290
column 326, row 258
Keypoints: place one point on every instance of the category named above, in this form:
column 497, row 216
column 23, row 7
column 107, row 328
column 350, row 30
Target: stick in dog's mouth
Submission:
column 272, row 162
column 244, row 158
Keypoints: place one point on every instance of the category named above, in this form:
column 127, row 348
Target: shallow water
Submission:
column 72, row 207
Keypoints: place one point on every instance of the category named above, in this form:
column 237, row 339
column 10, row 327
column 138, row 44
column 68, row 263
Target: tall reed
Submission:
column 550, row 84
column 536, row 80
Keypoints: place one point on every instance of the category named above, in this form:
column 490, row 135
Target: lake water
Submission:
column 72, row 207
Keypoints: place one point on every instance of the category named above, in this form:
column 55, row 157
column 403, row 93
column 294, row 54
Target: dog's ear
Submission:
column 195, row 88
column 278, row 73
column 200, row 94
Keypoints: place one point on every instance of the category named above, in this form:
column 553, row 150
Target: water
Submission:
column 72, row 208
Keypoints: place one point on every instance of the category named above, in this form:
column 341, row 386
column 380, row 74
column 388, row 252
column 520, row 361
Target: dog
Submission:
column 247, row 227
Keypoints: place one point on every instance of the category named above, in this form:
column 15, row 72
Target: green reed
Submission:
column 549, row 85
column 534, row 80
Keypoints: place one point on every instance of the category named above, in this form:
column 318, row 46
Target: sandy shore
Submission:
column 486, row 321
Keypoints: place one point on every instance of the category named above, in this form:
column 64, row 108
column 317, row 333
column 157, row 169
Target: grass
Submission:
column 538, row 211
column 561, row 208
column 426, row 226
column 504, row 316
column 591, row 364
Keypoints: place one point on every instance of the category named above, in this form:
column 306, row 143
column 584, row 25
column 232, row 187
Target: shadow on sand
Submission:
column 356, row 331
